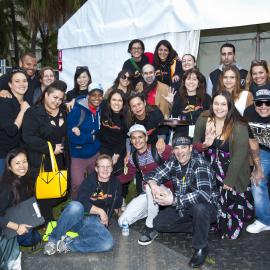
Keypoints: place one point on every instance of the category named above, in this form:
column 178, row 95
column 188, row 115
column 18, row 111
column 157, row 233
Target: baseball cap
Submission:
column 95, row 87
column 262, row 94
column 137, row 127
column 181, row 140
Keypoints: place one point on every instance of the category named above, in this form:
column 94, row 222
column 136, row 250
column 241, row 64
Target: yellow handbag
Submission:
column 52, row 184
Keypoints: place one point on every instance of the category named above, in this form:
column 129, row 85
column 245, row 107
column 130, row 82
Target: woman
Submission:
column 122, row 82
column 83, row 126
column 16, row 186
column 82, row 80
column 191, row 101
column 47, row 76
column 99, row 195
column 259, row 75
column 168, row 67
column 222, row 134
column 113, row 130
column 150, row 118
column 12, row 111
column 229, row 80
column 137, row 60
column 46, row 121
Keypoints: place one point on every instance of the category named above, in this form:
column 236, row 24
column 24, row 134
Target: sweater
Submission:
column 238, row 174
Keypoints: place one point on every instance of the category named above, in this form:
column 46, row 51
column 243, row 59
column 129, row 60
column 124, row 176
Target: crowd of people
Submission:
column 198, row 149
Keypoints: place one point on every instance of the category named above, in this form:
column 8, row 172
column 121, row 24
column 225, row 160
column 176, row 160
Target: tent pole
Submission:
column 258, row 44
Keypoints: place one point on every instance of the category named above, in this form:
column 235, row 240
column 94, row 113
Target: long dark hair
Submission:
column 200, row 92
column 172, row 53
column 117, row 80
column 107, row 114
column 12, row 182
column 78, row 72
column 232, row 117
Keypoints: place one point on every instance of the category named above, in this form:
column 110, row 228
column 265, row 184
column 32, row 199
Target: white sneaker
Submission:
column 257, row 227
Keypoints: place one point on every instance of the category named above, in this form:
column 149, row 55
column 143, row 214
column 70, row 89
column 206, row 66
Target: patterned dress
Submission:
column 236, row 208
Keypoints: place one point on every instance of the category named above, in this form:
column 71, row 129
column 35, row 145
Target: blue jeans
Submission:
column 260, row 192
column 93, row 235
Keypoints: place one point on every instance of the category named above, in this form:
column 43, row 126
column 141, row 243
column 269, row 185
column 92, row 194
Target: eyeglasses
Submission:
column 259, row 103
column 125, row 77
column 81, row 67
column 105, row 167
column 136, row 48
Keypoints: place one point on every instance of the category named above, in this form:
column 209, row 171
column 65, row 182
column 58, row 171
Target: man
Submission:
column 156, row 92
column 227, row 57
column 194, row 203
column 145, row 159
column 28, row 62
column 258, row 116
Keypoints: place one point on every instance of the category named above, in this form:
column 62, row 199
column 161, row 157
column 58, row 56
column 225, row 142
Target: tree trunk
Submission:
column 34, row 39
column 14, row 32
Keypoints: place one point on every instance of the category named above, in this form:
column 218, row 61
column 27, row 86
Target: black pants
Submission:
column 197, row 220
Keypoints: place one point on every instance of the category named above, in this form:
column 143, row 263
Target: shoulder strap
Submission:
column 135, row 160
column 156, row 156
column 134, row 64
column 82, row 117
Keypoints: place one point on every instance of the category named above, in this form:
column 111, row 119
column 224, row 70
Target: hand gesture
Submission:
column 70, row 104
column 175, row 78
column 5, row 94
column 210, row 133
column 76, row 131
column 115, row 158
column 23, row 229
column 160, row 145
column 170, row 96
column 58, row 149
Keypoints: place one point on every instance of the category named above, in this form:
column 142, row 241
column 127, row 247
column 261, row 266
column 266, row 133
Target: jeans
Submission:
column 260, row 193
column 93, row 235
column 197, row 220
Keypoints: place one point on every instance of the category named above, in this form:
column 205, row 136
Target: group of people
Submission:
column 210, row 169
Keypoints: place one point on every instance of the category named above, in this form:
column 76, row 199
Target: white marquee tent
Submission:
column 98, row 34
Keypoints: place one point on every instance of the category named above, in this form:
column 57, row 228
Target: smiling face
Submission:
column 163, row 53
column 48, row 78
column 19, row 165
column 139, row 141
column 95, row 98
column 116, row 103
column 149, row 74
column 53, row 100
column 191, row 84
column 18, row 84
column 83, row 80
column 29, row 64
column 259, row 75
column 137, row 107
column 136, row 51
column 263, row 110
column 104, row 169
column 220, row 107
column 125, row 80
column 229, row 80
column 188, row 62
column 183, row 153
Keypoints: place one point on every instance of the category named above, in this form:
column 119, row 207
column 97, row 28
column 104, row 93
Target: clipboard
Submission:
column 26, row 212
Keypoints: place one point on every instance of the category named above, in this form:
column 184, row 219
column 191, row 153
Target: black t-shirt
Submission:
column 259, row 127
column 190, row 110
column 73, row 94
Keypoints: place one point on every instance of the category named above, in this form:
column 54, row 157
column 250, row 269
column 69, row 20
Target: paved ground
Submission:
column 168, row 252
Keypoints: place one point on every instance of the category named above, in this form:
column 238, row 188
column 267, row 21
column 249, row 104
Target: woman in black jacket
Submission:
column 16, row 186
column 11, row 114
column 46, row 121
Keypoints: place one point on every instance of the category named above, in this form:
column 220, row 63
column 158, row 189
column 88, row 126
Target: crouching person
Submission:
column 98, row 196
column 193, row 205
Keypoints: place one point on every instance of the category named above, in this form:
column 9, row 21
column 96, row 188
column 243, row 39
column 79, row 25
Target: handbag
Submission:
column 51, row 185
column 30, row 239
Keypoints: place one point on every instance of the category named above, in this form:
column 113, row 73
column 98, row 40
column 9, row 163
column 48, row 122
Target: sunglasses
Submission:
column 81, row 67
column 124, row 77
column 259, row 103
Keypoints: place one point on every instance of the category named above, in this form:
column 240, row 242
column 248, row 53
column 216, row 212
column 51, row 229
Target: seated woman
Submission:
column 12, row 111
column 168, row 67
column 222, row 134
column 98, row 196
column 43, row 122
column 191, row 101
column 16, row 186
column 122, row 82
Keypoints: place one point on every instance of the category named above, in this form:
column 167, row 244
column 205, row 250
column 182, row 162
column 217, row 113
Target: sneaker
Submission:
column 257, row 227
column 62, row 245
column 147, row 237
column 50, row 248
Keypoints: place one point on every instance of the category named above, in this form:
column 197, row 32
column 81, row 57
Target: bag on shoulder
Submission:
column 50, row 185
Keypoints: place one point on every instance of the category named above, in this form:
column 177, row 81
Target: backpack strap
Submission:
column 156, row 156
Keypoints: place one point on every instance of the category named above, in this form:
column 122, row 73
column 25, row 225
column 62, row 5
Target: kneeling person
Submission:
column 99, row 194
column 194, row 203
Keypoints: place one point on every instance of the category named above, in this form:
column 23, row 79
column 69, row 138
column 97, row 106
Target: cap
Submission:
column 181, row 140
column 137, row 127
column 262, row 94
column 95, row 87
